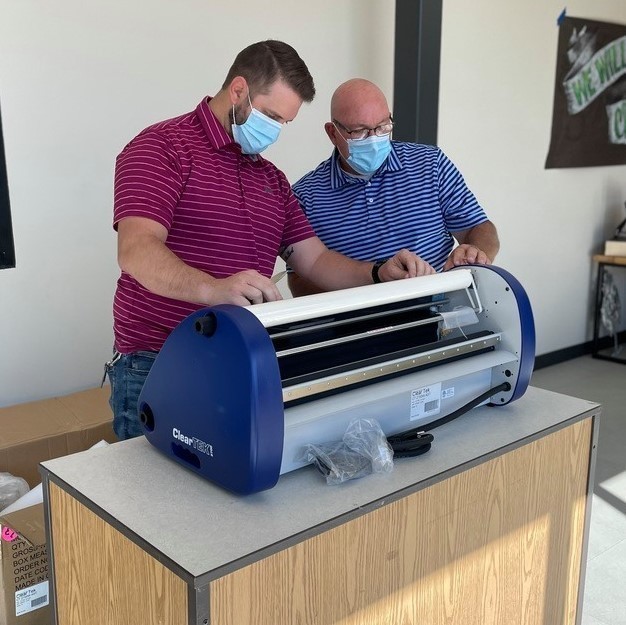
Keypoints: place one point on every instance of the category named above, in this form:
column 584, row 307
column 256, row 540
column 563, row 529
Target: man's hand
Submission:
column 404, row 264
column 466, row 255
column 243, row 288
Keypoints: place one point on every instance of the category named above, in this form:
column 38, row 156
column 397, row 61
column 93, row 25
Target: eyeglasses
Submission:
column 358, row 134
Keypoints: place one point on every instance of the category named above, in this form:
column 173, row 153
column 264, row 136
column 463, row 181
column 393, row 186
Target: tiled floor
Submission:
column 604, row 382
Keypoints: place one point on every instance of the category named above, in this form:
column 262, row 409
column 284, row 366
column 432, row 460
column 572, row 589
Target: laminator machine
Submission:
column 236, row 393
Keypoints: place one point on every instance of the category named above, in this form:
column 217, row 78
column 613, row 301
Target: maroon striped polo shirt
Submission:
column 224, row 212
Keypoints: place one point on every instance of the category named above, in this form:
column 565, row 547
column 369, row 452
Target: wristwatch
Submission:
column 377, row 265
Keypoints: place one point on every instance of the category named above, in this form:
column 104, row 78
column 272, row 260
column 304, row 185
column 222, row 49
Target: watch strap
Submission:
column 377, row 265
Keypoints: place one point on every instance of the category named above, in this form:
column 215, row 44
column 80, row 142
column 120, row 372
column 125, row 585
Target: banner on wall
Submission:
column 589, row 116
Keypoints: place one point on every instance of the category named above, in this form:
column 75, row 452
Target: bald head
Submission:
column 356, row 105
column 359, row 103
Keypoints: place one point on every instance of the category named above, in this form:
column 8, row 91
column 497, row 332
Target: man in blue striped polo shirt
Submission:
column 374, row 196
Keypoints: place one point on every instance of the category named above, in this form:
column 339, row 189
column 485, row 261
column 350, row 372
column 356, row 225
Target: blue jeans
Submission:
column 127, row 373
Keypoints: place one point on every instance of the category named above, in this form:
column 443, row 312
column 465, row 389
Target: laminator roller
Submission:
column 236, row 393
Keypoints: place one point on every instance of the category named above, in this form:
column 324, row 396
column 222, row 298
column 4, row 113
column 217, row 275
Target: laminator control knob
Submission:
column 206, row 325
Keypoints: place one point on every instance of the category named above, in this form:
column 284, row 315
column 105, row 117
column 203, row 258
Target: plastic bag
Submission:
column 11, row 489
column 363, row 450
column 458, row 317
column 366, row 437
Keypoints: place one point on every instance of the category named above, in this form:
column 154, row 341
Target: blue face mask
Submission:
column 368, row 154
column 257, row 133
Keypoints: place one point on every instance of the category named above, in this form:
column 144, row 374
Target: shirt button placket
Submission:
column 369, row 201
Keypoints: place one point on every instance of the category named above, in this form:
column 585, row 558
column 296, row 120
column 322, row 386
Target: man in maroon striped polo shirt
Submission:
column 201, row 217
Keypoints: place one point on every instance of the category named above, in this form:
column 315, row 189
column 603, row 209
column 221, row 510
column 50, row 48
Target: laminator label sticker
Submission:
column 426, row 401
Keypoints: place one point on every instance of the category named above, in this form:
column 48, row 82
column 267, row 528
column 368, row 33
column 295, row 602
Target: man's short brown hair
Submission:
column 265, row 62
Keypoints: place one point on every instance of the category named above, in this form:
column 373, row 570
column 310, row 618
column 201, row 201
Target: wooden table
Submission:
column 489, row 527
column 603, row 263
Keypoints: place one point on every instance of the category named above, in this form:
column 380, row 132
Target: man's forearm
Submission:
column 330, row 271
column 301, row 286
column 485, row 238
column 160, row 271
column 333, row 271
column 324, row 269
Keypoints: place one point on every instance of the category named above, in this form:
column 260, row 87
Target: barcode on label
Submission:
column 35, row 602
column 425, row 401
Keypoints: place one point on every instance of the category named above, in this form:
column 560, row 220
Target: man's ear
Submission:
column 331, row 131
column 238, row 89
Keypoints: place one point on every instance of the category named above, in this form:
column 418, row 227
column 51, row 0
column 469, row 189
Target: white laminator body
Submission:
column 236, row 393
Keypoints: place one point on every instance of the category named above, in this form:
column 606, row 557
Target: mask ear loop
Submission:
column 339, row 133
column 251, row 108
column 341, row 156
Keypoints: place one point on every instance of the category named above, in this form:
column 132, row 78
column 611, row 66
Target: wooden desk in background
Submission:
column 489, row 527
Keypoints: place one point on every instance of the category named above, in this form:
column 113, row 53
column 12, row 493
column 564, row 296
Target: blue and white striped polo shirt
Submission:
column 414, row 201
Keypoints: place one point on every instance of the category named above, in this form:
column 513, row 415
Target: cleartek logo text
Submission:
column 194, row 442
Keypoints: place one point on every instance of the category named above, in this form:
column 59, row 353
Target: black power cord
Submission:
column 417, row 441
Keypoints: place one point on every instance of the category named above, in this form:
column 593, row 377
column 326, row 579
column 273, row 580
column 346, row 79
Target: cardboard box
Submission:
column 24, row 585
column 37, row 431
column 615, row 248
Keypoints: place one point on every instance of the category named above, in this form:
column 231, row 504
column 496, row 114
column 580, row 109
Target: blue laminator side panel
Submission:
column 213, row 399
column 526, row 330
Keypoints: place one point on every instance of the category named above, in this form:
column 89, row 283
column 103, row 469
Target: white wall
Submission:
column 78, row 80
column 495, row 111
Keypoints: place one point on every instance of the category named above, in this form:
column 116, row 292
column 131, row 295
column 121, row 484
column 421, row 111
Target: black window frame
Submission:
column 417, row 58
column 7, row 246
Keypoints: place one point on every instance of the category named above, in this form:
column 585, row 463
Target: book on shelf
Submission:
column 615, row 247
